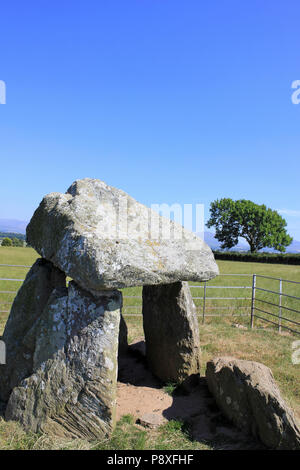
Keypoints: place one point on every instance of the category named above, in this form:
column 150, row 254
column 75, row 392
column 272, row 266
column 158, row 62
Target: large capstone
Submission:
column 71, row 389
column 21, row 327
column 104, row 239
column 248, row 395
column 171, row 331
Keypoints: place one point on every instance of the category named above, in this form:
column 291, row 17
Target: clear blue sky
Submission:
column 172, row 101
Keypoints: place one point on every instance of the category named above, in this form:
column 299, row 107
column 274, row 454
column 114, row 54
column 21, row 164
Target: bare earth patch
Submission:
column 140, row 394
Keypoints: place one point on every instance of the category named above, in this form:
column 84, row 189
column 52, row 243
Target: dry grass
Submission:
column 218, row 337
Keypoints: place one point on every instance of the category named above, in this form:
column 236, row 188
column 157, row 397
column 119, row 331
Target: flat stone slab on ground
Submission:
column 151, row 420
column 248, row 395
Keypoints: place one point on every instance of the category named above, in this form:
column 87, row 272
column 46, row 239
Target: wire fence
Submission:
column 282, row 316
column 205, row 298
column 277, row 306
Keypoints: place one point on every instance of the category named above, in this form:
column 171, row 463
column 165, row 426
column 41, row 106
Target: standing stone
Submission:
column 20, row 330
column 248, row 395
column 171, row 331
column 72, row 388
column 103, row 239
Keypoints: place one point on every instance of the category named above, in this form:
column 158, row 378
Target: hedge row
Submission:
column 276, row 258
column 20, row 236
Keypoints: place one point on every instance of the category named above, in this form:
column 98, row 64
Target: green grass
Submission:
column 13, row 256
column 17, row 255
column 127, row 435
column 218, row 336
column 234, row 306
column 170, row 388
column 26, row 256
column 238, row 307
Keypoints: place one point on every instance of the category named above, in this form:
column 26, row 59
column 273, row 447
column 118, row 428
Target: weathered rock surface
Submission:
column 151, row 420
column 72, row 388
column 104, row 239
column 248, row 395
column 20, row 330
column 171, row 331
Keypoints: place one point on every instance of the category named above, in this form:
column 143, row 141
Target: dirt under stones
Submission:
column 140, row 394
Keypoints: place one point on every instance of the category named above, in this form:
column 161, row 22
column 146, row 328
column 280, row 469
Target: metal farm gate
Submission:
column 276, row 306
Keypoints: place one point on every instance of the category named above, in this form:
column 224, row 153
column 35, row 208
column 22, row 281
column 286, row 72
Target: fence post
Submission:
column 253, row 300
column 280, row 306
column 204, row 301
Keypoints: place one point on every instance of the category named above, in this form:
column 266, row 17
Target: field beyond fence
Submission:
column 265, row 294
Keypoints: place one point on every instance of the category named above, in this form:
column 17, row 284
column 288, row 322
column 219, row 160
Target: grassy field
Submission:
column 219, row 336
column 217, row 303
column 214, row 306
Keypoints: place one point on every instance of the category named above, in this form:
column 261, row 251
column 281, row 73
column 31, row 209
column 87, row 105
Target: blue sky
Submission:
column 172, row 101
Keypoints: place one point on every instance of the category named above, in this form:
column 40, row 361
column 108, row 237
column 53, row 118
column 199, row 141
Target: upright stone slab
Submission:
column 171, row 331
column 20, row 330
column 72, row 390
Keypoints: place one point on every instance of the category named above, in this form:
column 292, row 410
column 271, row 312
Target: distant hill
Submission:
column 211, row 241
column 294, row 247
column 214, row 244
column 13, row 225
column 11, row 235
column 243, row 245
column 14, row 228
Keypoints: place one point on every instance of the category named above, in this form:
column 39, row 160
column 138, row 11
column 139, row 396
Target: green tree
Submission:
column 6, row 242
column 260, row 226
column 17, row 242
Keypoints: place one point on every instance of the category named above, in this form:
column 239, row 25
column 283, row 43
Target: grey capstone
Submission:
column 103, row 239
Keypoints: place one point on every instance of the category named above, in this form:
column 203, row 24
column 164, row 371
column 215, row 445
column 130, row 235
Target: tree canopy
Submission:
column 17, row 242
column 260, row 226
column 6, row 242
